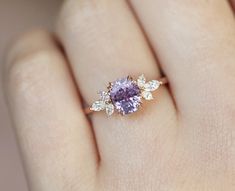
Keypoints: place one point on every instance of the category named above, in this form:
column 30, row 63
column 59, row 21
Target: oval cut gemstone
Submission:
column 125, row 95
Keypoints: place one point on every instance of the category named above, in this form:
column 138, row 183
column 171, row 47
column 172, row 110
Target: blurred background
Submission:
column 17, row 16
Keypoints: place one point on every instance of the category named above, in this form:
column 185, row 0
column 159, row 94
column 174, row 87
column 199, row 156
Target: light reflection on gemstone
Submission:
column 125, row 95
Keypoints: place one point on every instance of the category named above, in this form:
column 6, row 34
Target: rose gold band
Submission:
column 87, row 111
column 163, row 81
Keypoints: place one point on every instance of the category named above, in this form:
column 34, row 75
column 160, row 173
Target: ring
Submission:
column 125, row 95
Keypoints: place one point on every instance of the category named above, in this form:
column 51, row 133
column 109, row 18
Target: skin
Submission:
column 183, row 140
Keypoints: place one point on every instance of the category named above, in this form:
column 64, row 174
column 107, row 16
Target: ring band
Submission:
column 125, row 95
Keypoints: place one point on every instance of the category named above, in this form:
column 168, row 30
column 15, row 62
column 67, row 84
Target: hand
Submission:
column 183, row 140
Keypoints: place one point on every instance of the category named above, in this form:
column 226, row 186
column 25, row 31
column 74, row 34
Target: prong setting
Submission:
column 125, row 95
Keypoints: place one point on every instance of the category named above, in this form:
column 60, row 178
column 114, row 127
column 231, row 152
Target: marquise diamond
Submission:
column 152, row 85
column 98, row 106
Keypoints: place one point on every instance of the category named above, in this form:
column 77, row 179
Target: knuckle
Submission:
column 26, row 72
column 80, row 13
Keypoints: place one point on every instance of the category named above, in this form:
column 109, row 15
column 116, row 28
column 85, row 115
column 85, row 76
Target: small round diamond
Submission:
column 125, row 95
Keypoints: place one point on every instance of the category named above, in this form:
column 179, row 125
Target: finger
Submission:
column 103, row 43
column 54, row 135
column 195, row 42
column 232, row 2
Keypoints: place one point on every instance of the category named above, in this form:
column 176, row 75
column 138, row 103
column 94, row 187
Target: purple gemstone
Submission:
column 125, row 95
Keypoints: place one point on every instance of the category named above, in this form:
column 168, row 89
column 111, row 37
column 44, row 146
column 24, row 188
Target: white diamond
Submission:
column 151, row 85
column 109, row 109
column 141, row 81
column 147, row 95
column 98, row 106
column 104, row 96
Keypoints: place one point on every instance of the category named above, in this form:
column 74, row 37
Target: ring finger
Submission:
column 104, row 42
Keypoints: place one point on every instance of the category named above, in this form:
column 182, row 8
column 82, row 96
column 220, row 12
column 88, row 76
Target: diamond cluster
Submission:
column 125, row 95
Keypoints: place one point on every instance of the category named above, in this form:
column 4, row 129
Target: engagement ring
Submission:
column 125, row 95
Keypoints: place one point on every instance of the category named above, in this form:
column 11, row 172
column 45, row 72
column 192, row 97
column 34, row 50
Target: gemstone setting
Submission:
column 125, row 95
